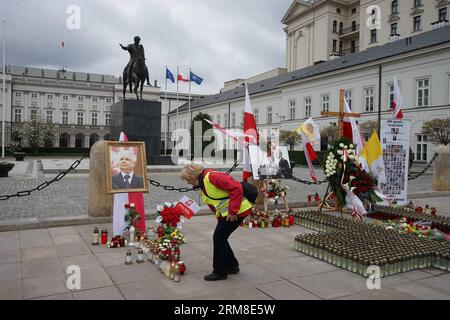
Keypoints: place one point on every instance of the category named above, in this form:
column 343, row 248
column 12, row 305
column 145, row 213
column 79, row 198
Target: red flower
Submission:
column 127, row 206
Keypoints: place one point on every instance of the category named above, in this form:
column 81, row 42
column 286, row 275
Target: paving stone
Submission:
column 43, row 286
column 145, row 290
column 9, row 256
column 421, row 291
column 32, row 233
column 94, row 278
column 434, row 271
column 106, row 293
column 36, row 241
column 322, row 287
column 72, row 249
column 233, row 281
column 313, row 265
column 246, row 293
column 64, row 296
column 42, row 267
column 121, row 274
column 67, row 239
column 38, row 253
column 285, row 290
column 385, row 294
column 285, row 268
column 10, row 271
column 9, row 235
column 112, row 258
column 188, row 286
column 11, row 289
column 9, row 244
column 62, row 231
column 437, row 283
column 204, row 248
column 196, row 263
column 84, row 261
column 256, row 274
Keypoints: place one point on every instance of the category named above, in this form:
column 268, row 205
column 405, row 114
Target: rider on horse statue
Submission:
column 137, row 63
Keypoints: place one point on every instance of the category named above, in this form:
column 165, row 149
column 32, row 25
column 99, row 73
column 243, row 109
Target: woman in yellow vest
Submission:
column 225, row 198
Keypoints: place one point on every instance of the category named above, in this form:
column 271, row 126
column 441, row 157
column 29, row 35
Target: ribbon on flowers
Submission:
column 352, row 201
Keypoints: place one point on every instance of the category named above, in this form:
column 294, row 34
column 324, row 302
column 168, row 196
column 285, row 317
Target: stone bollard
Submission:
column 441, row 173
column 100, row 202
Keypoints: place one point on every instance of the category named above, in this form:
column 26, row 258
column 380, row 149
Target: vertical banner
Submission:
column 395, row 140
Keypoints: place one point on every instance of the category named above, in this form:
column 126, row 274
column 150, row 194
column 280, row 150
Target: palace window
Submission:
column 49, row 96
column 65, row 98
column 334, row 26
column 34, row 95
column 255, row 114
column 394, row 7
column 219, row 119
column 94, row 99
column 233, row 119
column 417, row 23
column 307, row 107
column 291, row 109
column 80, row 117
column 442, row 14
column 373, row 36
column 394, row 29
column 348, row 96
column 65, row 117
column 423, row 91
column 390, row 90
column 49, row 116
column 18, row 94
column 422, row 147
column 334, row 45
column 33, row 114
column 17, row 115
column 417, row 3
column 325, row 103
column 368, row 99
column 80, row 98
column 108, row 100
column 269, row 114
column 94, row 119
column 107, row 119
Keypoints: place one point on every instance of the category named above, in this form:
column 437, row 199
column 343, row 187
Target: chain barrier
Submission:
column 309, row 182
column 182, row 190
column 415, row 175
column 44, row 184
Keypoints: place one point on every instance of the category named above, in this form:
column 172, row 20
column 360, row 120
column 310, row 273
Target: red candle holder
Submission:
column 104, row 237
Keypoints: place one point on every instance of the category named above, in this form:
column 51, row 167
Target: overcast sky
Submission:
column 219, row 40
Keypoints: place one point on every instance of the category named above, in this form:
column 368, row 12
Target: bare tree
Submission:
column 437, row 130
column 368, row 127
column 291, row 138
column 330, row 133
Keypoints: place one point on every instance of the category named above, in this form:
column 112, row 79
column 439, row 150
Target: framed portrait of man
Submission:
column 126, row 167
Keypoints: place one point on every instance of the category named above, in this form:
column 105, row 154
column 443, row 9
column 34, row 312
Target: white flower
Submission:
column 179, row 225
column 287, row 187
column 159, row 219
column 345, row 147
column 351, row 157
column 132, row 205
column 168, row 204
column 351, row 146
column 341, row 145
column 340, row 152
column 342, row 158
column 159, row 208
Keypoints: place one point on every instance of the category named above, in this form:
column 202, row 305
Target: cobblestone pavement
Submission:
column 69, row 197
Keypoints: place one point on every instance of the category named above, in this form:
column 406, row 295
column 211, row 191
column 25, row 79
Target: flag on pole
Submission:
column 225, row 131
column 371, row 158
column 181, row 77
column 398, row 102
column 169, row 75
column 250, row 136
column 195, row 78
column 119, row 210
column 310, row 134
column 351, row 129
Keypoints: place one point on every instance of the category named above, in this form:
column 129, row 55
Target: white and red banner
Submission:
column 119, row 210
column 250, row 136
column 187, row 207
column 310, row 134
column 397, row 103
column 351, row 129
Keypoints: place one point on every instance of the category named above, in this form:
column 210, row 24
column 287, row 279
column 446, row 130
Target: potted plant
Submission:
column 5, row 167
column 17, row 150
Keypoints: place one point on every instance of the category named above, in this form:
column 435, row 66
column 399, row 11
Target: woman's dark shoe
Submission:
column 233, row 271
column 214, row 277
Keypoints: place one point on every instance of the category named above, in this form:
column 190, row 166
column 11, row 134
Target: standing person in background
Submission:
column 224, row 196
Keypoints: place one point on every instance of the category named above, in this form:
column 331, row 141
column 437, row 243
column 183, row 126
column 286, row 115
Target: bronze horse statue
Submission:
column 138, row 74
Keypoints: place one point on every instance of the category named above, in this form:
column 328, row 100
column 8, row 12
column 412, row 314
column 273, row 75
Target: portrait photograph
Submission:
column 273, row 166
column 126, row 167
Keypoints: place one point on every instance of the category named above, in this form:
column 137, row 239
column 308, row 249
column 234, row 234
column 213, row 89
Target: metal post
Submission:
column 4, row 90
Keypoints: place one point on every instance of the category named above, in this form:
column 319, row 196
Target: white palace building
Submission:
column 330, row 46
column 77, row 103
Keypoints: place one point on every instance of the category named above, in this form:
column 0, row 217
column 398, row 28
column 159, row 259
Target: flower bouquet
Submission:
column 360, row 182
column 274, row 191
column 132, row 216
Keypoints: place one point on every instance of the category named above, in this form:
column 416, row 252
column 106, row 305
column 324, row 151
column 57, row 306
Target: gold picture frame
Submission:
column 126, row 167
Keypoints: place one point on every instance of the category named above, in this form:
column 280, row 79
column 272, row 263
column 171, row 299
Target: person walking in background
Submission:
column 225, row 197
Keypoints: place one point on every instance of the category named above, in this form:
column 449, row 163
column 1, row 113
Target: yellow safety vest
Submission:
column 221, row 206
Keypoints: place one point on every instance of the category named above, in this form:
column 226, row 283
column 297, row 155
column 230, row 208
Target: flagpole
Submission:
column 190, row 116
column 4, row 90
column 167, row 116
column 178, row 71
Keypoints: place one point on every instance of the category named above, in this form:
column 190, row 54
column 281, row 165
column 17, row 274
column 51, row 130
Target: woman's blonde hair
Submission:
column 191, row 171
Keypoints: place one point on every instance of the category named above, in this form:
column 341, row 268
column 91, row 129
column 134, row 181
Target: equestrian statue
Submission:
column 135, row 72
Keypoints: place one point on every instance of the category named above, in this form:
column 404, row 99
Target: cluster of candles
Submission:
column 390, row 213
column 275, row 219
column 166, row 256
column 356, row 246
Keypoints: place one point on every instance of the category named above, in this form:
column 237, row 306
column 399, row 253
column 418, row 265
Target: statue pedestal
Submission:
column 140, row 120
column 441, row 173
column 100, row 202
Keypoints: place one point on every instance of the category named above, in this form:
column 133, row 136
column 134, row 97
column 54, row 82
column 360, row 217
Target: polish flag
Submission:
column 119, row 211
column 225, row 131
column 250, row 136
column 398, row 102
column 181, row 77
column 351, row 130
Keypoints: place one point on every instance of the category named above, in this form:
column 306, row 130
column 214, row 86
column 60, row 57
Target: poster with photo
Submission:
column 395, row 140
column 273, row 166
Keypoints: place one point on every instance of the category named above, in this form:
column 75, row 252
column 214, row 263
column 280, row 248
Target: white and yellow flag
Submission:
column 371, row 158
